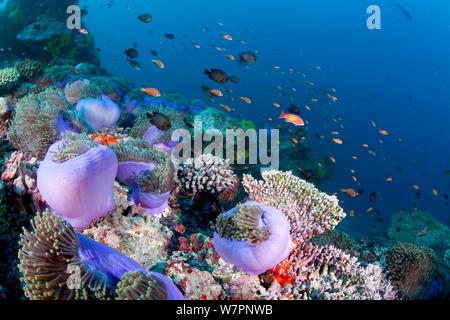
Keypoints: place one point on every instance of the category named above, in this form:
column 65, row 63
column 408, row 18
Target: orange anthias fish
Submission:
column 246, row 99
column 153, row 92
column 216, row 92
column 84, row 31
column 350, row 192
column 292, row 118
column 227, row 37
column 227, row 108
column 159, row 63
column 384, row 132
column 337, row 140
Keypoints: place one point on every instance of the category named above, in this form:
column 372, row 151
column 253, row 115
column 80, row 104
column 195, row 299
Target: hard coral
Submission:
column 309, row 211
column 206, row 174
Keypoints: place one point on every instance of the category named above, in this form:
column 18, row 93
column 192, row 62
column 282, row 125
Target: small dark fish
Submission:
column 446, row 196
column 234, row 79
column 84, row 11
column 154, row 53
column 372, row 196
column 294, row 109
column 308, row 174
column 161, row 121
column 418, row 194
column 131, row 53
column 134, row 64
column 404, row 11
column 146, row 17
column 217, row 75
column 170, row 36
column 301, row 133
column 361, row 191
column 247, row 56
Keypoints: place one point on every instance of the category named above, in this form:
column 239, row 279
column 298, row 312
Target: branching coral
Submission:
column 206, row 174
column 310, row 212
column 409, row 268
column 329, row 273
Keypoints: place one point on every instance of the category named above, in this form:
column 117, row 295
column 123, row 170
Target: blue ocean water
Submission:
column 397, row 76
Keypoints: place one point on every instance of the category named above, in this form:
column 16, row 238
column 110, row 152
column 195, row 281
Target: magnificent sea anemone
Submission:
column 59, row 264
column 253, row 237
column 76, row 179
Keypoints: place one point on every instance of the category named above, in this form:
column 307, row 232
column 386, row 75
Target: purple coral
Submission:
column 253, row 237
column 99, row 113
column 76, row 179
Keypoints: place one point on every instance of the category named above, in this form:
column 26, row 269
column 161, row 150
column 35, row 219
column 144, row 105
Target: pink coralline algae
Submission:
column 253, row 237
column 76, row 179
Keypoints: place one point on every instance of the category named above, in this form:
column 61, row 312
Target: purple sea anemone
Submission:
column 132, row 106
column 99, row 113
column 151, row 203
column 76, row 179
column 152, row 135
column 253, row 237
column 59, row 264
